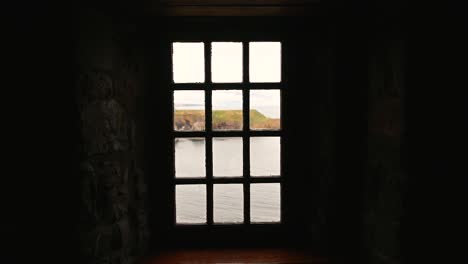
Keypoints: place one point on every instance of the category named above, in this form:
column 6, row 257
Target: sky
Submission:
column 265, row 66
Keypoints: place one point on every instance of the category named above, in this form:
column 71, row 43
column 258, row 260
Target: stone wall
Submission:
column 386, row 175
column 110, row 82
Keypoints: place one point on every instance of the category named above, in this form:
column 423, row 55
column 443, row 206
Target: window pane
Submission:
column 265, row 202
column 227, row 157
column 265, row 157
column 191, row 204
column 226, row 62
column 189, row 157
column 265, row 62
column 189, row 110
column 227, row 110
column 188, row 62
column 228, row 203
column 265, row 110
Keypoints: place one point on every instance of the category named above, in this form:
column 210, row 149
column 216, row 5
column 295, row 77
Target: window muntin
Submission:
column 239, row 116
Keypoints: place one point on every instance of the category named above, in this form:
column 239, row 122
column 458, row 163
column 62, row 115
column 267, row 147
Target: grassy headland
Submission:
column 223, row 120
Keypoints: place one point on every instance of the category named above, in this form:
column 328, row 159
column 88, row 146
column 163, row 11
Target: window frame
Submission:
column 246, row 133
column 299, row 189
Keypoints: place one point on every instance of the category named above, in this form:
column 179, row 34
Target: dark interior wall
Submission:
column 385, row 182
column 434, row 219
column 311, row 122
column 416, row 136
column 362, row 116
column 327, row 136
column 109, row 91
column 39, row 184
column 348, row 36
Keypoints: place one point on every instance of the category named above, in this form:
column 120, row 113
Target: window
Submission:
column 227, row 132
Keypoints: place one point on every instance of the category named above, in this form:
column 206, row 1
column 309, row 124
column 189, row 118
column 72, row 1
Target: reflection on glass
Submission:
column 228, row 203
column 226, row 62
column 189, row 110
column 191, row 204
column 188, row 62
column 227, row 110
column 265, row 110
column 227, row 157
column 265, row 202
column 265, row 62
column 190, row 157
column 265, row 160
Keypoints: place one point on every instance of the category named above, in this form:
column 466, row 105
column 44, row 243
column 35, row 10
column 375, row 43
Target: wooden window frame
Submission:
column 158, row 34
column 246, row 133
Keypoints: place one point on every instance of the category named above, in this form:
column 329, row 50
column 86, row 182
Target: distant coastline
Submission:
column 222, row 120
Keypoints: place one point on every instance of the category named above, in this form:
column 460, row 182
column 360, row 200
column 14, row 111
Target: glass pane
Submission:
column 227, row 110
column 265, row 157
column 191, row 204
column 265, row 62
column 227, row 157
column 265, row 202
column 265, row 110
column 226, row 62
column 228, row 203
column 188, row 62
column 189, row 110
column 190, row 157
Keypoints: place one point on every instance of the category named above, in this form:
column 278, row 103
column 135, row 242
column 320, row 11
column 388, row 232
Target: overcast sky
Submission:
column 265, row 66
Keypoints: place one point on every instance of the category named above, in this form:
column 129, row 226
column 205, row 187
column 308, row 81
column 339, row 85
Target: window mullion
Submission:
column 246, row 130
column 209, row 136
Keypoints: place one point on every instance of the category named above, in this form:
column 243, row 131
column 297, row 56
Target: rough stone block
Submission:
column 104, row 127
column 94, row 85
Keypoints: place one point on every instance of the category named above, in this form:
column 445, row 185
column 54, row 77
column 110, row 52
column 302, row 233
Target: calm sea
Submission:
column 228, row 163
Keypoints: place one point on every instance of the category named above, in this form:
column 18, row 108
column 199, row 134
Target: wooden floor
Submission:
column 237, row 256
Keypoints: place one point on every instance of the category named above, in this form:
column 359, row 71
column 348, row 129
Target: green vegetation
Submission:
column 260, row 121
column 222, row 120
column 189, row 120
column 227, row 119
